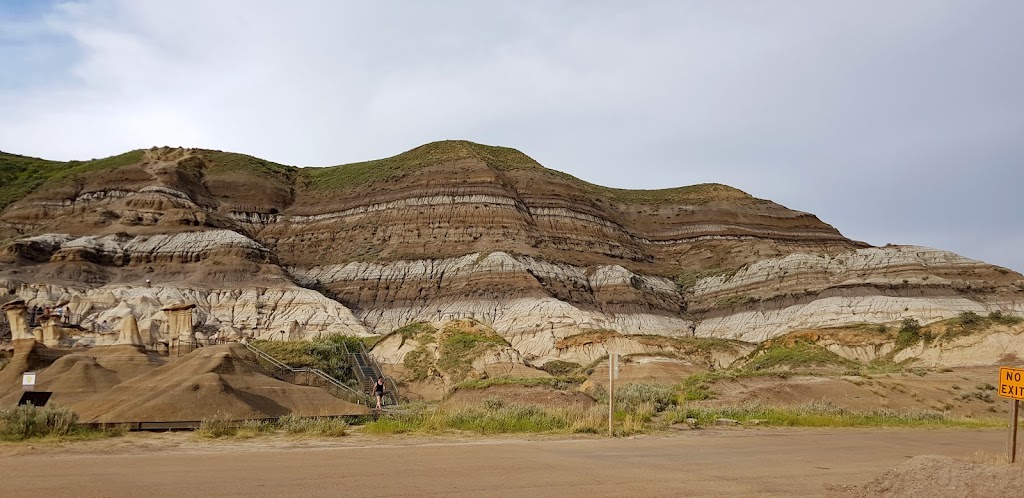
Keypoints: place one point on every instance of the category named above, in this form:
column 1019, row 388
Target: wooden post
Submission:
column 611, row 392
column 1012, row 443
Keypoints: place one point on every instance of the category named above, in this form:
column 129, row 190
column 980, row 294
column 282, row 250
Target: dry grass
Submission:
column 986, row 458
column 826, row 414
column 289, row 424
column 637, row 409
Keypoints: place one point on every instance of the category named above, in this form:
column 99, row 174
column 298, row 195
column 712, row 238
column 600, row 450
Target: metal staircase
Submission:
column 366, row 371
column 315, row 377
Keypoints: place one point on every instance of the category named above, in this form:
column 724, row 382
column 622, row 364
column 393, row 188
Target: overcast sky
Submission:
column 897, row 122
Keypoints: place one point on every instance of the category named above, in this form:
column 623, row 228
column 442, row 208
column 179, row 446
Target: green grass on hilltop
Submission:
column 691, row 194
column 22, row 175
column 350, row 175
column 228, row 162
column 507, row 160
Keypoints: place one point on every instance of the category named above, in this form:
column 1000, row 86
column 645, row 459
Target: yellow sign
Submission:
column 1011, row 382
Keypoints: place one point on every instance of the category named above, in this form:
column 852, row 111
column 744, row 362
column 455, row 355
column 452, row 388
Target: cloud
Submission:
column 895, row 122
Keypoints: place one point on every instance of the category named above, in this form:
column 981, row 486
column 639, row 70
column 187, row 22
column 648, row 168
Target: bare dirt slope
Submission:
column 76, row 377
column 124, row 384
column 211, row 383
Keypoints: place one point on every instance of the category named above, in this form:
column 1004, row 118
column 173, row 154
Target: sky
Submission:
column 895, row 122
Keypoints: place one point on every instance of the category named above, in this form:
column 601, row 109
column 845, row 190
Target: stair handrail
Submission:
column 315, row 371
column 389, row 383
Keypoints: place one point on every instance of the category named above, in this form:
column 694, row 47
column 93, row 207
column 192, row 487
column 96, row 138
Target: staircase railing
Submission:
column 366, row 371
column 314, row 377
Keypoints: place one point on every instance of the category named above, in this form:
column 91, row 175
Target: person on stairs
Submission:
column 378, row 391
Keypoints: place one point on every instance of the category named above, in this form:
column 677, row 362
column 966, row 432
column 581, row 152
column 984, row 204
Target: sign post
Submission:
column 1011, row 385
column 1014, row 403
column 612, row 366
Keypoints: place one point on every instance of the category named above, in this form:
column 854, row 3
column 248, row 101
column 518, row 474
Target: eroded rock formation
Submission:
column 447, row 231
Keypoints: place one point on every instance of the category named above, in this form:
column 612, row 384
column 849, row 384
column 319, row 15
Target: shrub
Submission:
column 253, row 428
column 969, row 318
column 999, row 317
column 634, row 396
column 216, row 428
column 909, row 334
column 313, row 426
column 28, row 421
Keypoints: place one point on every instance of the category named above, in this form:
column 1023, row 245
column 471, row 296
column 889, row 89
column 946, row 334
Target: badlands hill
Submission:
column 447, row 231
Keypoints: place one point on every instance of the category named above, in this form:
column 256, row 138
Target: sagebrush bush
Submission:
column 634, row 396
column 909, row 334
column 28, row 421
column 290, row 424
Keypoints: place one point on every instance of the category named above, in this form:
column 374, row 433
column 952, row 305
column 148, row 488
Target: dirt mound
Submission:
column 127, row 360
column 213, row 382
column 74, row 377
column 943, row 476
column 532, row 395
column 76, row 374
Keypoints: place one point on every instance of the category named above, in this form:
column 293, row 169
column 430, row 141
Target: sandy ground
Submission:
column 762, row 462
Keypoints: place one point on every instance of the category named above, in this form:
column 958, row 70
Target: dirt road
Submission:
column 708, row 462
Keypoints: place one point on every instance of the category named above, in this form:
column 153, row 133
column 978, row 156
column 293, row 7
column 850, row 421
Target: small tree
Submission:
column 909, row 334
column 969, row 318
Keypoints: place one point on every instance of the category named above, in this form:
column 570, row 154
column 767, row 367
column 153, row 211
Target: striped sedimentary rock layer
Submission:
column 459, row 230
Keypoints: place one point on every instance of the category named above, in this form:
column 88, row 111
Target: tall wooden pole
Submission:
column 1012, row 443
column 611, row 392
